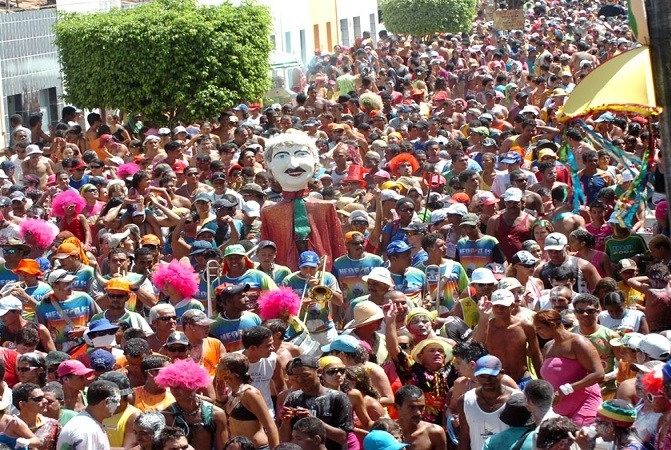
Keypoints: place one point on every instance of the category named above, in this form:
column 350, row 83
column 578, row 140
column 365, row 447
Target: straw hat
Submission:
column 365, row 312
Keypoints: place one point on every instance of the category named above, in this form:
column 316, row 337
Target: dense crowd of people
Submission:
column 395, row 258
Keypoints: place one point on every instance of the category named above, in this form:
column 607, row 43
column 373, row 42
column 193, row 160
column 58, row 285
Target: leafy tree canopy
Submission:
column 169, row 59
column 425, row 17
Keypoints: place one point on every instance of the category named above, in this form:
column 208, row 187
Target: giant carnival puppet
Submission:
column 298, row 222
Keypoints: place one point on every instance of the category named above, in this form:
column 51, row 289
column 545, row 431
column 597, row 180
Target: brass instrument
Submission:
column 212, row 273
column 317, row 294
column 321, row 293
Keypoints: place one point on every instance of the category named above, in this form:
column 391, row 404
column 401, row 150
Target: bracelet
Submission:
column 566, row 389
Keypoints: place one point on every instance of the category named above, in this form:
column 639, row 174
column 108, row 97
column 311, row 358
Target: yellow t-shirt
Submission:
column 145, row 401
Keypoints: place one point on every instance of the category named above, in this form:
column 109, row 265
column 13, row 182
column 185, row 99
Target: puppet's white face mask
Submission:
column 292, row 166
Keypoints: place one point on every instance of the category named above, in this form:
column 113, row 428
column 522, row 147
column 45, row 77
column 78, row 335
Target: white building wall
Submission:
column 290, row 17
column 349, row 27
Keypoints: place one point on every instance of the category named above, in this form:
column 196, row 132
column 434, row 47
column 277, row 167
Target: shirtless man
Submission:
column 286, row 351
column 656, row 288
column 480, row 402
column 508, row 338
column 420, row 435
column 562, row 217
column 585, row 274
column 36, row 164
column 512, row 226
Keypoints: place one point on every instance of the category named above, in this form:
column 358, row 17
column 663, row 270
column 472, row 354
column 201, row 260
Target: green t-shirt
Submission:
column 601, row 340
column 619, row 249
column 65, row 416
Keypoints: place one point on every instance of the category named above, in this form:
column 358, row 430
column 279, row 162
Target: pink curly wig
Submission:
column 43, row 232
column 396, row 161
column 183, row 373
column 179, row 275
column 127, row 170
column 64, row 199
column 278, row 304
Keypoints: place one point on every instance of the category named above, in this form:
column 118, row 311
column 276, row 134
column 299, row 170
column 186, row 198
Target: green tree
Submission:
column 426, row 17
column 170, row 59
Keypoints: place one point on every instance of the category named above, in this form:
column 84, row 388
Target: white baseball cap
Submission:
column 457, row 209
column 61, row 275
column 482, row 275
column 10, row 303
column 252, row 208
column 503, row 297
column 389, row 194
column 380, row 274
column 655, row 346
column 555, row 241
column 513, row 194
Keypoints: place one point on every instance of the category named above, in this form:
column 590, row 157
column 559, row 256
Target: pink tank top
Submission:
column 581, row 406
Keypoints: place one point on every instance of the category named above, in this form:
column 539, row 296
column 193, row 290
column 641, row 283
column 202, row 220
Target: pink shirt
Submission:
column 600, row 234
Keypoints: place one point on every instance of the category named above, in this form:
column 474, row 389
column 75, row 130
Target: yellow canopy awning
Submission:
column 623, row 83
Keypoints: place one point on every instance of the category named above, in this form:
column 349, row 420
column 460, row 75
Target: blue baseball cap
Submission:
column 308, row 259
column 511, row 158
column 488, row 365
column 398, row 247
column 101, row 325
column 203, row 197
column 198, row 247
column 102, row 360
column 241, row 107
column 344, row 343
column 381, row 440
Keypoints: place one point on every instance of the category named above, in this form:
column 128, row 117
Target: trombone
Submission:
column 212, row 274
column 320, row 293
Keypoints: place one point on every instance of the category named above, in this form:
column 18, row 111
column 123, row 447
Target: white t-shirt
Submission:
column 261, row 373
column 630, row 321
column 82, row 432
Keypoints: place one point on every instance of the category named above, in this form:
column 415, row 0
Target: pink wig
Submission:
column 278, row 304
column 183, row 373
column 127, row 170
column 179, row 275
column 64, row 199
column 43, row 232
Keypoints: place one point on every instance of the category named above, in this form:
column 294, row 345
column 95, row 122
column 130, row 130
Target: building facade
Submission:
column 30, row 77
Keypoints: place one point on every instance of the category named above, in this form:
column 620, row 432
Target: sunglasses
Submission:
column 117, row 295
column 12, row 251
column 26, row 369
column 168, row 318
column 586, row 311
column 335, row 370
column 177, row 348
column 37, row 399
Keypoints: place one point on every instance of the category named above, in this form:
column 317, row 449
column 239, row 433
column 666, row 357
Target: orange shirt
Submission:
column 151, row 402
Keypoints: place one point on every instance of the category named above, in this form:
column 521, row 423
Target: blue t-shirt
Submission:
column 229, row 332
column 6, row 275
column 257, row 280
column 419, row 258
column 79, row 308
column 393, row 229
column 317, row 316
column 78, row 184
column 83, row 278
column 411, row 283
column 349, row 273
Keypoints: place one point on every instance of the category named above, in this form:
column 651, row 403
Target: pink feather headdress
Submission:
column 43, row 232
column 64, row 199
column 183, row 373
column 127, row 170
column 278, row 304
column 179, row 275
